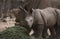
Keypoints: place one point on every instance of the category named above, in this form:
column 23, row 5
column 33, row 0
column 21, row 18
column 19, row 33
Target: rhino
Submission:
column 44, row 18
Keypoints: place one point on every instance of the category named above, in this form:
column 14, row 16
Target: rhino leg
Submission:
column 53, row 32
column 57, row 28
column 45, row 34
column 38, row 29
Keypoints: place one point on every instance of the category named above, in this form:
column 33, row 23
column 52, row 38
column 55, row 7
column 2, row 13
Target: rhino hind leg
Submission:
column 53, row 32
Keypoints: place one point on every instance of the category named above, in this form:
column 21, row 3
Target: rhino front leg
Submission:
column 45, row 34
column 38, row 29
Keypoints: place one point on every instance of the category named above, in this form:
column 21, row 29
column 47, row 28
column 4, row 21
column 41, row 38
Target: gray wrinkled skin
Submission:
column 50, row 18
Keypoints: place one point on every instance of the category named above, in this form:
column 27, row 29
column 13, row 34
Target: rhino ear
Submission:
column 33, row 9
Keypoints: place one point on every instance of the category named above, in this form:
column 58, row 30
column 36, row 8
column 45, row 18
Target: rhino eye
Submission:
column 31, row 20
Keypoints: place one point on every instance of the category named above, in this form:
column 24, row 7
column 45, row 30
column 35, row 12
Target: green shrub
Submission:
column 16, row 32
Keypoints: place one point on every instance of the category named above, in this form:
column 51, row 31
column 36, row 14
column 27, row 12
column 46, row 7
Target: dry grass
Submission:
column 10, row 22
